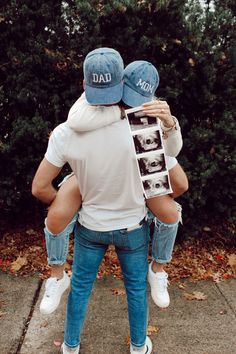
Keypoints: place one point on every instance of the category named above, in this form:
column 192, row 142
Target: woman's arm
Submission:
column 172, row 137
column 84, row 117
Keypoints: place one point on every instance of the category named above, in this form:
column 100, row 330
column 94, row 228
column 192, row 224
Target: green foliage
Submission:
column 194, row 48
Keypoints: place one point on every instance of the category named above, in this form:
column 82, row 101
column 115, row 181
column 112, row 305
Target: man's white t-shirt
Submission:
column 105, row 165
column 83, row 117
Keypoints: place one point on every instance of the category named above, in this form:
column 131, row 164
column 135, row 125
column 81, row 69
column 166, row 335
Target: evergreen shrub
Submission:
column 43, row 45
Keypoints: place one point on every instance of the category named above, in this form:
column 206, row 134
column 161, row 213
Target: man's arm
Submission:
column 42, row 187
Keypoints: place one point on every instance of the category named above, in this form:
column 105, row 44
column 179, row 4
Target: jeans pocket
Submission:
column 132, row 240
column 86, row 236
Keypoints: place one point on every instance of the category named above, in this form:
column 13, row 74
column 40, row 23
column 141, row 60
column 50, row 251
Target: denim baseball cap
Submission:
column 103, row 75
column 141, row 80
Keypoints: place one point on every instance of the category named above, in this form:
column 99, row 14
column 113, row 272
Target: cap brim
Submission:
column 132, row 98
column 104, row 96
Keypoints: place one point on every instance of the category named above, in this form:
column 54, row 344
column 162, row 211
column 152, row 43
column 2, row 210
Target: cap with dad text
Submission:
column 103, row 75
column 141, row 80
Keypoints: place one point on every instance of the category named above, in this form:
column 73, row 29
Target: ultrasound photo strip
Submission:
column 158, row 184
column 138, row 120
column 148, row 144
column 152, row 162
column 142, row 122
column 148, row 139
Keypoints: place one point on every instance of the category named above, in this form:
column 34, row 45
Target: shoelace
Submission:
column 51, row 287
column 163, row 284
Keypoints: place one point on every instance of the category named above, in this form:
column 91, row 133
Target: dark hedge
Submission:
column 43, row 44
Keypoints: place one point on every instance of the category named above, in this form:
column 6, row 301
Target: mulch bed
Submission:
column 209, row 255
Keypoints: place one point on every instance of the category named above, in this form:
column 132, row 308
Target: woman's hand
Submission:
column 161, row 110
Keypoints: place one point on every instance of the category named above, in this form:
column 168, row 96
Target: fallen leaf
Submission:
column 223, row 312
column 232, row 260
column 18, row 263
column 44, row 324
column 67, row 266
column 219, row 258
column 181, row 286
column 216, row 277
column 127, row 341
column 152, row 329
column 2, row 313
column 57, row 343
column 118, row 291
column 195, row 295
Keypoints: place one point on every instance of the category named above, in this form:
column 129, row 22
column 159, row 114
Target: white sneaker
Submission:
column 146, row 350
column 159, row 283
column 54, row 288
column 66, row 350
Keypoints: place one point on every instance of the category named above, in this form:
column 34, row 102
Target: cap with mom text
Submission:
column 141, row 80
column 103, row 75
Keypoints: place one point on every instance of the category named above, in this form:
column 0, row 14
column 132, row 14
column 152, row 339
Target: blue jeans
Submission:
column 162, row 245
column 164, row 236
column 57, row 244
column 163, row 241
column 89, row 249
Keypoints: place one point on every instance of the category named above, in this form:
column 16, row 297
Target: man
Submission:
column 113, row 206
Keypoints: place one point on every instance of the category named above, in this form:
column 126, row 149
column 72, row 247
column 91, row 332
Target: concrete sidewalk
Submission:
column 186, row 327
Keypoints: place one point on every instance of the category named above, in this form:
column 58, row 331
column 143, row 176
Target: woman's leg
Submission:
column 167, row 218
column 65, row 206
column 178, row 180
column 164, row 207
column 60, row 222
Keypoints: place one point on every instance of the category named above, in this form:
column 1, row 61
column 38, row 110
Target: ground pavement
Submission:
column 205, row 326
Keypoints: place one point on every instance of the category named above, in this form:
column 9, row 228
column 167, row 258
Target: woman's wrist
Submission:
column 169, row 123
column 173, row 126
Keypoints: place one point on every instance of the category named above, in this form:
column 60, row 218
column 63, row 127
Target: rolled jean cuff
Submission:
column 57, row 244
column 161, row 261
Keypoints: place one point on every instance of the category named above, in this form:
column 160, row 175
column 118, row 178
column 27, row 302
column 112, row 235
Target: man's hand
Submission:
column 42, row 187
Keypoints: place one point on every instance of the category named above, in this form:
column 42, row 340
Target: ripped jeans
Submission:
column 57, row 244
column 162, row 244
column 164, row 236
